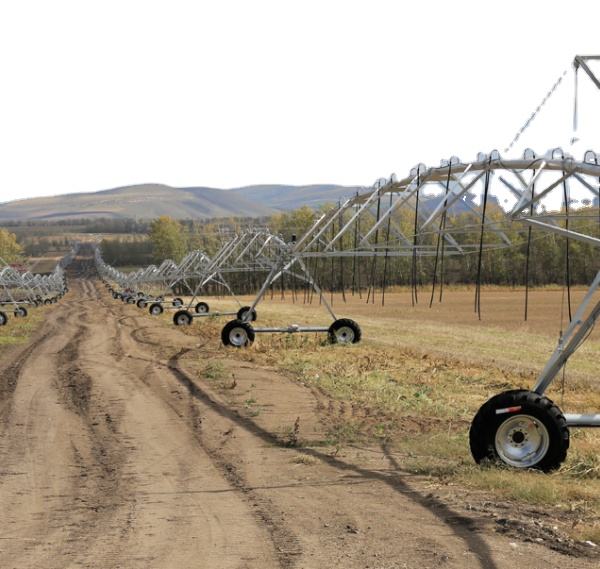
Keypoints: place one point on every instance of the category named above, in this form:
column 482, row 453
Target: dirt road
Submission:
column 114, row 453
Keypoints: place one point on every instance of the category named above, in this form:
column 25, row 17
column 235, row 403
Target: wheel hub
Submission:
column 238, row 336
column 344, row 335
column 519, row 438
column 522, row 441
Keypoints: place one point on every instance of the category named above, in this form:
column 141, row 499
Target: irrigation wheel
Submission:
column 201, row 308
column 20, row 312
column 141, row 303
column 243, row 311
column 3, row 319
column 237, row 334
column 156, row 309
column 177, row 302
column 520, row 429
column 344, row 331
column 182, row 318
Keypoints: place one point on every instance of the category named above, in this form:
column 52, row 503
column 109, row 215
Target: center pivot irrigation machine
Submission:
column 242, row 258
column 458, row 209
column 20, row 290
column 523, row 429
column 159, row 283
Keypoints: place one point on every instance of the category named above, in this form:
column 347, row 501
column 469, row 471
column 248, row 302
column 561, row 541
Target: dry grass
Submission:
column 18, row 330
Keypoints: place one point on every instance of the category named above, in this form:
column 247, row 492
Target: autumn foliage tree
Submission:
column 10, row 250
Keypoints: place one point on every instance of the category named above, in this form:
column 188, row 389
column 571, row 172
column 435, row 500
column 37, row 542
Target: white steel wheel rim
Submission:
column 201, row 309
column 182, row 320
column 522, row 441
column 155, row 310
column 344, row 335
column 238, row 336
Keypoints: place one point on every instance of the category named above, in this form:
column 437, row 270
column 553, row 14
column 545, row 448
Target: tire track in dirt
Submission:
column 103, row 486
column 286, row 544
column 463, row 528
column 10, row 375
column 57, row 453
column 129, row 370
column 29, row 430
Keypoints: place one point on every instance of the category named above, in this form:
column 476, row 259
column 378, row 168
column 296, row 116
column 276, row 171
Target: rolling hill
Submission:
column 147, row 201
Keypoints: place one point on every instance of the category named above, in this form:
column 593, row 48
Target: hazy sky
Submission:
column 100, row 94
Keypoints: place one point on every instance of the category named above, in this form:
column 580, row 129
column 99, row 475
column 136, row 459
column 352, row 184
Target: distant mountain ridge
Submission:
column 146, row 201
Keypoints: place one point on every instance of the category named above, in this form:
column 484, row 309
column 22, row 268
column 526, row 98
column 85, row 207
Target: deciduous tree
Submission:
column 168, row 239
column 10, row 250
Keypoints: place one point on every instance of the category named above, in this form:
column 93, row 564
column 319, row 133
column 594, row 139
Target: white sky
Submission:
column 100, row 94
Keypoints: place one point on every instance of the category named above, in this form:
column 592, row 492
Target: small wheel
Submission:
column 201, row 308
column 237, row 334
column 47, row 301
column 344, row 331
column 177, row 302
column 243, row 312
column 521, row 429
column 3, row 319
column 156, row 309
column 131, row 300
column 141, row 303
column 20, row 312
column 182, row 318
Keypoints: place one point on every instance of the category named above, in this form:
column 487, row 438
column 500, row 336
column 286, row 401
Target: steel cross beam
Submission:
column 580, row 61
